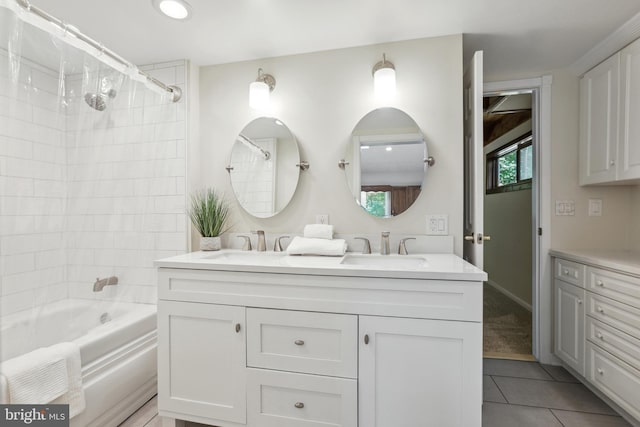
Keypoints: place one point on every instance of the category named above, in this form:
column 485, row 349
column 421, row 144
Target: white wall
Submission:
column 32, row 173
column 321, row 97
column 611, row 230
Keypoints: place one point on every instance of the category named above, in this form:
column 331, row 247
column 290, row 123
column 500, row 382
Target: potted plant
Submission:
column 209, row 213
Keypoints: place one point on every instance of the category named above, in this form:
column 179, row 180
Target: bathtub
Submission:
column 118, row 347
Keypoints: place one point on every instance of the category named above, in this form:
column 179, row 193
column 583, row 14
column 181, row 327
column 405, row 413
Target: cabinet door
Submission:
column 629, row 145
column 569, row 324
column 599, row 122
column 202, row 360
column 414, row 372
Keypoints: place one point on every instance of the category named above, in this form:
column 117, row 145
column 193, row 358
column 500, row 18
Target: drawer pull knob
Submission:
column 600, row 371
column 237, row 327
column 599, row 335
column 566, row 272
column 298, row 342
column 579, row 301
column 366, row 339
column 299, row 405
column 600, row 310
column 600, row 283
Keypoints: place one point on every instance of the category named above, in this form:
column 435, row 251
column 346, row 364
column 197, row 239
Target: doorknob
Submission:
column 482, row 238
column 470, row 238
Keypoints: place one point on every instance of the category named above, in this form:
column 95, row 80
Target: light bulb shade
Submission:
column 175, row 9
column 384, row 82
column 258, row 95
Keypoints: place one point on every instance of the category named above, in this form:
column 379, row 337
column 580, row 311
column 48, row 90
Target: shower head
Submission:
column 98, row 101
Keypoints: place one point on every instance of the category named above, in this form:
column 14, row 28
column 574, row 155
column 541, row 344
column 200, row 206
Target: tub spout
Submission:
column 101, row 283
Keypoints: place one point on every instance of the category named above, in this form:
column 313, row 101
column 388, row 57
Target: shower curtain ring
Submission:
column 101, row 49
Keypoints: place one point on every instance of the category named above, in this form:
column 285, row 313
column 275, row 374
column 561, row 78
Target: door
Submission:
column 569, row 321
column 416, row 372
column 202, row 360
column 473, row 162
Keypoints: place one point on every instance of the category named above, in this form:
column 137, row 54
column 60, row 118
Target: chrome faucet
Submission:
column 402, row 248
column 384, row 243
column 366, row 247
column 262, row 244
column 101, row 283
column 277, row 245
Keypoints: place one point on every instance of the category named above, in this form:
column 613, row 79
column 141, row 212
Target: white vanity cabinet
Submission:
column 264, row 347
column 201, row 360
column 610, row 120
column 597, row 322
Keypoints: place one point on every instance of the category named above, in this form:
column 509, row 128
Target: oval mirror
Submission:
column 264, row 168
column 385, row 162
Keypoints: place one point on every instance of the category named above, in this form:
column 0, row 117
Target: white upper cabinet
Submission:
column 629, row 138
column 610, row 120
column 599, row 122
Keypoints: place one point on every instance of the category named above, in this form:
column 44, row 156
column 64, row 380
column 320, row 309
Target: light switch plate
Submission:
column 565, row 208
column 595, row 207
column 438, row 225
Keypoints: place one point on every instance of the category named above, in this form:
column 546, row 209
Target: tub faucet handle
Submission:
column 402, row 248
column 277, row 246
column 247, row 243
column 366, row 247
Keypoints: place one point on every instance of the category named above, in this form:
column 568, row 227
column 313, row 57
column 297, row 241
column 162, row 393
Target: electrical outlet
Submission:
column 595, row 207
column 322, row 219
column 438, row 225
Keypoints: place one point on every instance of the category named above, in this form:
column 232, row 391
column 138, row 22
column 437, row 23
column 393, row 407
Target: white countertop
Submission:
column 414, row 266
column 623, row 261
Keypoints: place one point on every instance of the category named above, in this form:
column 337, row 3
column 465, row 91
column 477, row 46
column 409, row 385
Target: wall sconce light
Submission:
column 384, row 78
column 260, row 89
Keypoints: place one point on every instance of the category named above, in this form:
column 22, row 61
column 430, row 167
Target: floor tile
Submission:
column 515, row 368
column 143, row 415
column 501, row 415
column 551, row 394
column 581, row 419
column 560, row 374
column 490, row 392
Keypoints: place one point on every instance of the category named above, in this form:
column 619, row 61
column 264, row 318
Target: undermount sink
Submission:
column 260, row 258
column 385, row 261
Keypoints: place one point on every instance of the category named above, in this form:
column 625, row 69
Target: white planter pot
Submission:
column 210, row 243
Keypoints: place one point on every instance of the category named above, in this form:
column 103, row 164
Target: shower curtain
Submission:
column 92, row 171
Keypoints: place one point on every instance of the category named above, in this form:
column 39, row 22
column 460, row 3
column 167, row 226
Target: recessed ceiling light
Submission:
column 176, row 9
column 389, row 148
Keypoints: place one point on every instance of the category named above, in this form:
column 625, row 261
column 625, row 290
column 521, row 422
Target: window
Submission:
column 510, row 167
column 377, row 203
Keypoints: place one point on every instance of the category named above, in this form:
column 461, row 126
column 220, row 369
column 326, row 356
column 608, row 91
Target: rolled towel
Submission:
column 306, row 246
column 318, row 231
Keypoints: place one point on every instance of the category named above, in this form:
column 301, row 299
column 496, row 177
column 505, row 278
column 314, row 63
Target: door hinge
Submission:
column 539, row 231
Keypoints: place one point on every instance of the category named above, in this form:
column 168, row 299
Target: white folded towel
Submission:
column 318, row 231
column 306, row 246
column 46, row 375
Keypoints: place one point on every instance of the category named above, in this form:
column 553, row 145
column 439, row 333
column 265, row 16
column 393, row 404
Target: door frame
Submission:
column 542, row 309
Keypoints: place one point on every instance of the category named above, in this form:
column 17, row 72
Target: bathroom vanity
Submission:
column 266, row 339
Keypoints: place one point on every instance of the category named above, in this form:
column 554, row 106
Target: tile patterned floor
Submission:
column 516, row 393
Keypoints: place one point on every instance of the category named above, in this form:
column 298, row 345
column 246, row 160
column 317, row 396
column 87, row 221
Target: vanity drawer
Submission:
column 570, row 272
column 285, row 399
column 616, row 286
column 613, row 313
column 621, row 345
column 307, row 342
column 619, row 381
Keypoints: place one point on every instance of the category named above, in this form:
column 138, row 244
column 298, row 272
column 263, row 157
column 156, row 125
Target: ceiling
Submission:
column 517, row 36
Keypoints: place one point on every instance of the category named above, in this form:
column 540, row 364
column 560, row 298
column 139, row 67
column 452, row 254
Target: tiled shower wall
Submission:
column 126, row 199
column 77, row 206
column 32, row 190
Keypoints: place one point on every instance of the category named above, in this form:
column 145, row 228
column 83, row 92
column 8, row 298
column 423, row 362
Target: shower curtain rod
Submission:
column 174, row 90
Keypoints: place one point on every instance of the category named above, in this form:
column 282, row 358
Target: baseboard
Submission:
column 509, row 295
